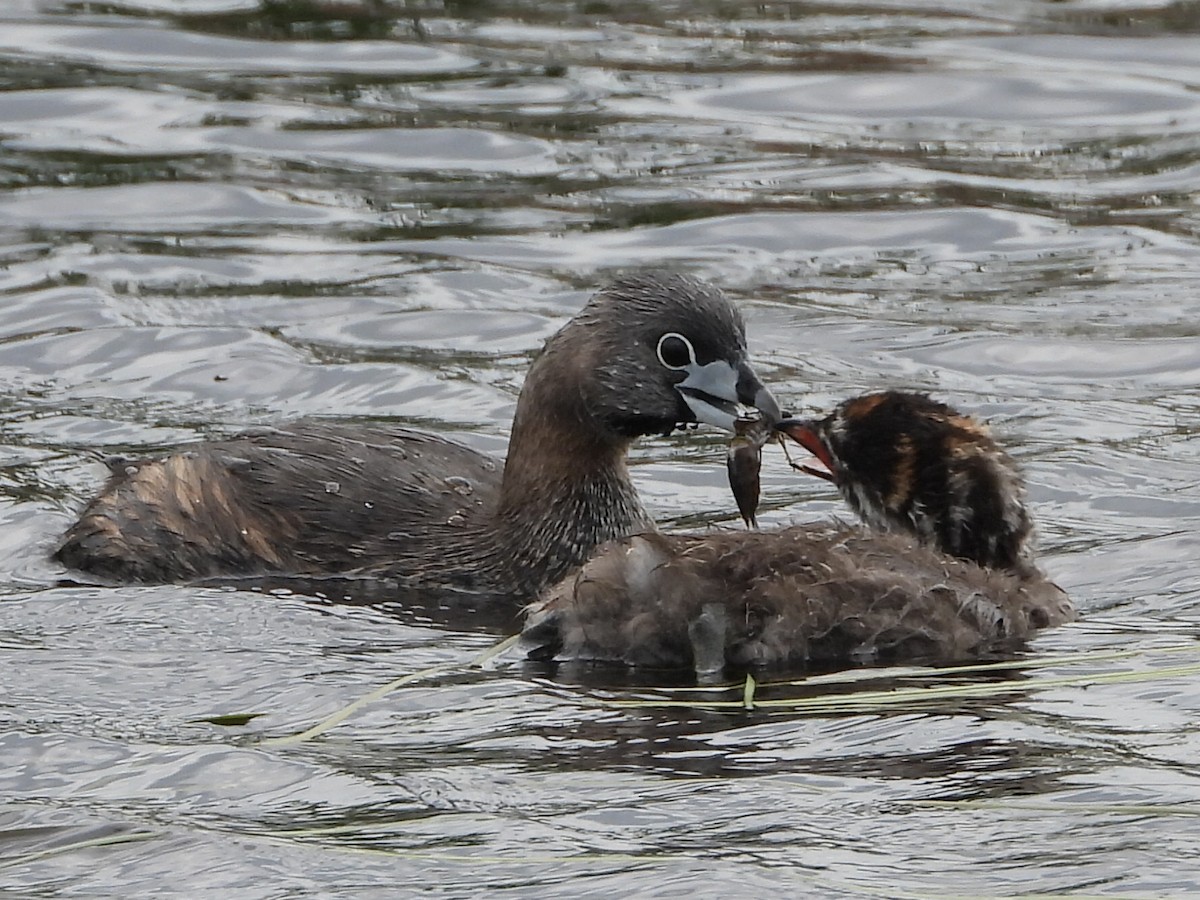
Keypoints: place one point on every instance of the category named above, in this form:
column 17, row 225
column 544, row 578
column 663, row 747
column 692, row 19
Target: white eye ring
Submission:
column 691, row 351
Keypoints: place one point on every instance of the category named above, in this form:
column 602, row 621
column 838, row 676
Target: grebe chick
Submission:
column 828, row 594
column 905, row 462
column 645, row 354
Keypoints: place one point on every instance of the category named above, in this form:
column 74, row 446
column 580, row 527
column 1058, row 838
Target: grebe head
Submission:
column 905, row 462
column 659, row 350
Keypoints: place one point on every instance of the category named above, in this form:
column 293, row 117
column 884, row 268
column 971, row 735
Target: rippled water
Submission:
column 213, row 215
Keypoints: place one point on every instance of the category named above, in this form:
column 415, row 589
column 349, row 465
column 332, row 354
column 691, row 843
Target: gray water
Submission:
column 213, row 216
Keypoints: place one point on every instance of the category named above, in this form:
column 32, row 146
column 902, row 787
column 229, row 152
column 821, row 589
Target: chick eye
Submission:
column 675, row 351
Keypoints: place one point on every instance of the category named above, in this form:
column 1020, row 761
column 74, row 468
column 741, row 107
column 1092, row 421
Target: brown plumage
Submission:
column 308, row 498
column 827, row 593
column 395, row 504
column 905, row 462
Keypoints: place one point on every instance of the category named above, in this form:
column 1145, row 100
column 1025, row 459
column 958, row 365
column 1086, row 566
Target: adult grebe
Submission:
column 645, row 354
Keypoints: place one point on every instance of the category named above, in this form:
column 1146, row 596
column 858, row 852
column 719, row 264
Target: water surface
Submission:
column 214, row 215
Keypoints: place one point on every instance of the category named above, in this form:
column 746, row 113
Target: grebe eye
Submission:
column 675, row 351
